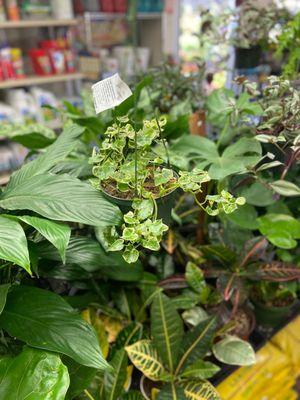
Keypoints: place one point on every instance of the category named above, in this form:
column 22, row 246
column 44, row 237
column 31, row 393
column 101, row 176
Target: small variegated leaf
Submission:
column 145, row 358
column 200, row 390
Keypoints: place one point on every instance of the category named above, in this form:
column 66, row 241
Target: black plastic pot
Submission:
column 247, row 58
column 164, row 204
column 271, row 316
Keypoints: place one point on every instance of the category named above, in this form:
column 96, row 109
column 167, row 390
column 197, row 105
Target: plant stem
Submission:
column 88, row 395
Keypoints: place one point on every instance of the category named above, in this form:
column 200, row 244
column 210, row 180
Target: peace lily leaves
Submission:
column 61, row 198
column 42, row 319
column 33, row 374
column 56, row 233
column 3, row 294
column 166, row 329
column 280, row 229
column 144, row 356
column 234, row 351
column 236, row 158
column 13, row 243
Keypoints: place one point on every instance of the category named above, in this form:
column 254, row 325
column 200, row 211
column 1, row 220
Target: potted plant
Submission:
column 273, row 301
column 131, row 174
column 174, row 360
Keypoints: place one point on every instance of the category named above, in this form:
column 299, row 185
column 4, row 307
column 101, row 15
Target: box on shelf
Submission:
column 90, row 67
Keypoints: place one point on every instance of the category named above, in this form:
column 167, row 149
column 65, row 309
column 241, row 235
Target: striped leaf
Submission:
column 200, row 390
column 166, row 330
column 278, row 271
column 13, row 243
column 171, row 392
column 145, row 358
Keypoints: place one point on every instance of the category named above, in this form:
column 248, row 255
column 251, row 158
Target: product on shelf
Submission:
column 24, row 104
column 33, row 9
column 56, row 56
column 44, row 98
column 150, row 5
column 2, row 11
column 17, row 62
column 107, row 6
column 13, row 11
column 128, row 64
column 120, row 6
column 62, row 9
column 40, row 62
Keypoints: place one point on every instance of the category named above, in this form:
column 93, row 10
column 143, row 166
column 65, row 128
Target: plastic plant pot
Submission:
column 164, row 204
column 271, row 316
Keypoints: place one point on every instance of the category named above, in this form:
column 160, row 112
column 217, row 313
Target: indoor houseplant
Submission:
column 131, row 174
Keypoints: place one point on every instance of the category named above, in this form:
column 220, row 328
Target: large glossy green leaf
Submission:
column 55, row 153
column 196, row 343
column 33, row 375
column 166, row 330
column 258, row 195
column 13, row 243
column 44, row 320
column 58, row 234
column 3, row 294
column 235, row 158
column 280, row 229
column 90, row 256
column 234, row 351
column 114, row 380
column 61, row 198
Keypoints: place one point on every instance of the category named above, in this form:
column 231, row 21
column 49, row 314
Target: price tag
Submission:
column 109, row 93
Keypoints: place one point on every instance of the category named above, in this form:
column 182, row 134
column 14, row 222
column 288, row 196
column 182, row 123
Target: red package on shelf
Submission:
column 120, row 6
column 40, row 61
column 56, row 55
column 107, row 6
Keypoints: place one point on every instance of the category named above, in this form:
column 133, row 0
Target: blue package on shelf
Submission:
column 150, row 5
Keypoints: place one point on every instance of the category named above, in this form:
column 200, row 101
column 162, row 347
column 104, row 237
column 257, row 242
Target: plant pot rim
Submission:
column 131, row 200
column 263, row 305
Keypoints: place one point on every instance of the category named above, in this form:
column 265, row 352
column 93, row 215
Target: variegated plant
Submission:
column 175, row 358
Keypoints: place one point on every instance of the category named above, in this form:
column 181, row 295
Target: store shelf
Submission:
column 98, row 16
column 39, row 80
column 37, row 23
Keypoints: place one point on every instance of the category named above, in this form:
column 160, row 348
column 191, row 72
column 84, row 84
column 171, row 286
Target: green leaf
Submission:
column 90, row 256
column 194, row 277
column 33, row 375
column 280, row 229
column 196, row 343
column 80, row 377
column 144, row 357
column 55, row 153
column 44, row 320
column 33, row 136
column 171, row 392
column 13, row 243
column 3, row 294
column 114, row 380
column 131, row 255
column 61, row 198
column 58, row 234
column 195, row 390
column 133, row 395
column 245, row 217
column 258, row 195
column 166, row 329
column 200, row 370
column 236, row 158
column 194, row 315
column 234, row 351
column 285, row 188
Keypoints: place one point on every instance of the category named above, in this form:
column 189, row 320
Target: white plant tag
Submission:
column 109, row 93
